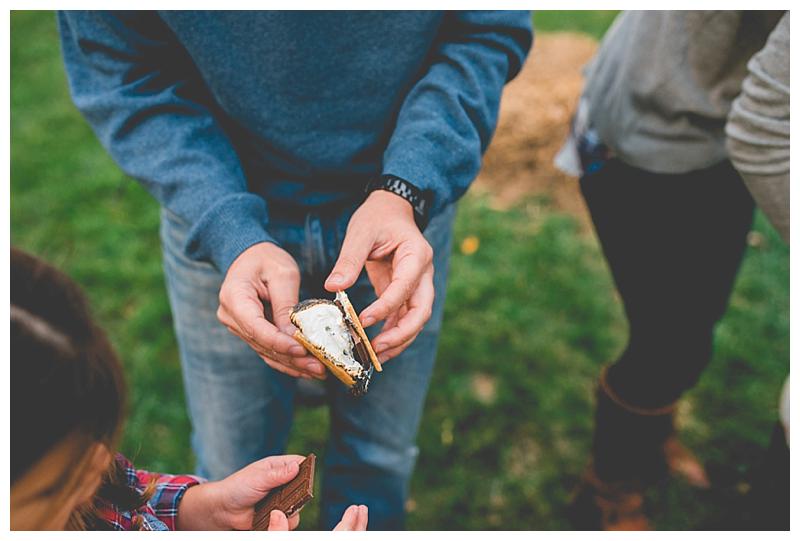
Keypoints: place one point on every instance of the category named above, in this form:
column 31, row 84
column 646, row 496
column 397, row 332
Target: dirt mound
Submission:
column 534, row 121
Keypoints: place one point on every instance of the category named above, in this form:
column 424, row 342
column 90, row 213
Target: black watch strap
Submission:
column 420, row 200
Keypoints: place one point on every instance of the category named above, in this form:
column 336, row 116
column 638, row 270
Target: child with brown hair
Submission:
column 67, row 408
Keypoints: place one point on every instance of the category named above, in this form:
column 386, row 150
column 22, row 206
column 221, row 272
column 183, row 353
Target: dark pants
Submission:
column 769, row 499
column 674, row 244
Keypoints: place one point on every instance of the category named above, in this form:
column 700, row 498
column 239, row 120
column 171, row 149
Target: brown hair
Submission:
column 65, row 377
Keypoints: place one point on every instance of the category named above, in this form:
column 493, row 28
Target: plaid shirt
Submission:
column 160, row 512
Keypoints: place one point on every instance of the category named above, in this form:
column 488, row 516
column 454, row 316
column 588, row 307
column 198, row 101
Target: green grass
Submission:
column 530, row 318
column 594, row 23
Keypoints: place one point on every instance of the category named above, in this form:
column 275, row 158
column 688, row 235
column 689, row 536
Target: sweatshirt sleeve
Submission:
column 758, row 128
column 149, row 107
column 448, row 117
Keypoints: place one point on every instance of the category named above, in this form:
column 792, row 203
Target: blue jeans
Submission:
column 241, row 410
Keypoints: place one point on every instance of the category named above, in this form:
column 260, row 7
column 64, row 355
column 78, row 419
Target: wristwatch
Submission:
column 420, row 200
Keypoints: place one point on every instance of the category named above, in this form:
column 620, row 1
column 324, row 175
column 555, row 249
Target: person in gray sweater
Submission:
column 663, row 183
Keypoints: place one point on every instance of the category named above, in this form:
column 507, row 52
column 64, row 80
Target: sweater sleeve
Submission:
column 149, row 107
column 758, row 128
column 448, row 117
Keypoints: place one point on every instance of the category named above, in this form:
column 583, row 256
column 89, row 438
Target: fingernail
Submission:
column 335, row 279
column 367, row 321
column 297, row 351
column 380, row 347
column 289, row 329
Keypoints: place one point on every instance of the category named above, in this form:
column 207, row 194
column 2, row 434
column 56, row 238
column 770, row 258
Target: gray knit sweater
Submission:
column 660, row 88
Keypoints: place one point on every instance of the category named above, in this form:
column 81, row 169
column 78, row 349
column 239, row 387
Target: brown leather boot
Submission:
column 600, row 505
column 632, row 449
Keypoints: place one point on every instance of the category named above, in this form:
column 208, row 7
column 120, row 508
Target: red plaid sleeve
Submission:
column 161, row 510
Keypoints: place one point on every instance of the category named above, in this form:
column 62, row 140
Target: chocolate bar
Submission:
column 289, row 498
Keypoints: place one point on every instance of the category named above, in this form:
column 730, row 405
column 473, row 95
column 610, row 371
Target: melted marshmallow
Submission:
column 324, row 326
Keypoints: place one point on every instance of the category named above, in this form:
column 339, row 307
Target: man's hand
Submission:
column 230, row 504
column 383, row 237
column 265, row 273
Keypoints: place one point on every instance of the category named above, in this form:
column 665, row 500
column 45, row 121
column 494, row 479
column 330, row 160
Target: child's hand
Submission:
column 279, row 523
column 353, row 520
column 228, row 504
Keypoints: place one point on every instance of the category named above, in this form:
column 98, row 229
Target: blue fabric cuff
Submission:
column 227, row 229
column 415, row 161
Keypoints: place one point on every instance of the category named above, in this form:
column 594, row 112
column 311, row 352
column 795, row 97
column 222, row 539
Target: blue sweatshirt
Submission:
column 223, row 114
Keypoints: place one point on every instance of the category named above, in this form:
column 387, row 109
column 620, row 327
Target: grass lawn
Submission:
column 530, row 318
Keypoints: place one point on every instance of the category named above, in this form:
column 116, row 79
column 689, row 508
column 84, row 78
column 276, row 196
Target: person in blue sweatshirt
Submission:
column 296, row 154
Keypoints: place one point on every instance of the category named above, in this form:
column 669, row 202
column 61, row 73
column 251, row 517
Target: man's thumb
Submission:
column 355, row 251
